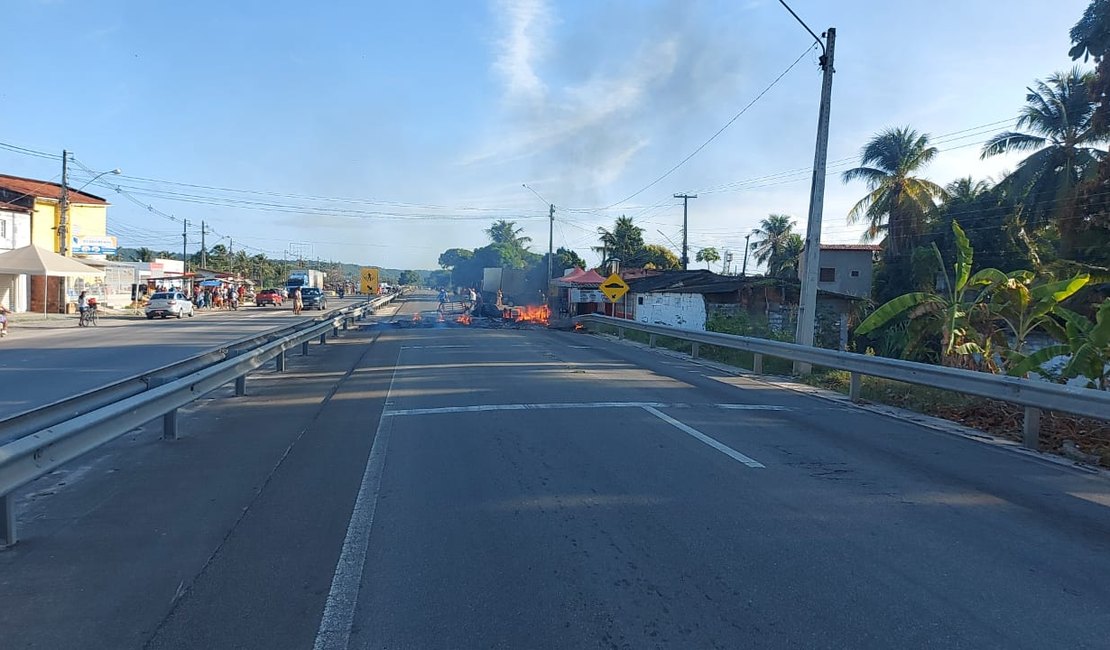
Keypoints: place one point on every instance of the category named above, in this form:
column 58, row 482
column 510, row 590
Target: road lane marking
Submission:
column 724, row 449
column 338, row 618
column 484, row 408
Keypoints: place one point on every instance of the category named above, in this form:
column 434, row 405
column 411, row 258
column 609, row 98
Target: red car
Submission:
column 268, row 297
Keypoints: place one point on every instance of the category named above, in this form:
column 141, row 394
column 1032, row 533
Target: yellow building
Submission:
column 87, row 219
column 87, row 214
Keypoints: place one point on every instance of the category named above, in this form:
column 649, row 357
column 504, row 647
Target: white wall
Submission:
column 685, row 310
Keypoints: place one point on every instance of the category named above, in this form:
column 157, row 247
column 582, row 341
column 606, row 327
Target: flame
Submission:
column 532, row 314
column 416, row 318
column 463, row 319
column 578, row 327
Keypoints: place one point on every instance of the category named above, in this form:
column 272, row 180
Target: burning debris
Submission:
column 540, row 315
column 464, row 319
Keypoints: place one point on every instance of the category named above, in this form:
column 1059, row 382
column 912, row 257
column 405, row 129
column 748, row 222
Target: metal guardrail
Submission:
column 1034, row 395
column 41, row 440
column 40, row 417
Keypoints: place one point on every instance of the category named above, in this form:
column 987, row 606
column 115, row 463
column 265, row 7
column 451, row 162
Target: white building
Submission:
column 15, row 232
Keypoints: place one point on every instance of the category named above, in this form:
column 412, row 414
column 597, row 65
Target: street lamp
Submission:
column 63, row 230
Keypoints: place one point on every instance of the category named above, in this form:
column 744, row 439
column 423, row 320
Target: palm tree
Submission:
column 144, row 254
column 624, row 242
column 772, row 237
column 787, row 265
column 708, row 255
column 1057, row 128
column 897, row 202
column 506, row 232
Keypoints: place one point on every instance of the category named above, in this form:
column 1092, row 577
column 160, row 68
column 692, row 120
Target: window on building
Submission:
column 855, row 274
column 640, row 300
column 828, row 274
column 3, row 229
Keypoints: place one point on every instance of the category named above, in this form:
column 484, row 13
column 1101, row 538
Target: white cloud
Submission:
column 522, row 47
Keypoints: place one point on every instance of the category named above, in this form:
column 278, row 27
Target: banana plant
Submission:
column 1086, row 344
column 952, row 316
column 1023, row 306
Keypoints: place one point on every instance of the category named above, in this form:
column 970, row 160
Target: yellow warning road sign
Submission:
column 370, row 284
column 614, row 287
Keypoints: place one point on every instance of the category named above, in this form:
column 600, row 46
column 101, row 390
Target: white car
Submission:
column 169, row 303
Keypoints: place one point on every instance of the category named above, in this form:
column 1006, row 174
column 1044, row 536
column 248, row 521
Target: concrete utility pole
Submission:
column 747, row 247
column 63, row 207
column 550, row 251
column 807, row 307
column 685, row 210
column 203, row 249
column 184, row 253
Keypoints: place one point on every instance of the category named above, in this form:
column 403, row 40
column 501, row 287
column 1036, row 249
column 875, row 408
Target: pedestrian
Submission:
column 82, row 306
column 298, row 304
column 473, row 296
column 4, row 320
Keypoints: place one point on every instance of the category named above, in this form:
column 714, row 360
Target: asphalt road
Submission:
column 42, row 363
column 445, row 487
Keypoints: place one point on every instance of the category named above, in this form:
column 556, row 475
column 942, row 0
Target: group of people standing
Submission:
column 227, row 297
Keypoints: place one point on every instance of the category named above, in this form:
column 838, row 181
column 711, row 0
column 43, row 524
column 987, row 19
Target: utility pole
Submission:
column 685, row 209
column 744, row 269
column 63, row 207
column 184, row 253
column 807, row 306
column 550, row 251
column 203, row 249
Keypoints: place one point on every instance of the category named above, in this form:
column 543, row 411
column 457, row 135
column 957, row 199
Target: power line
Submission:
column 714, row 136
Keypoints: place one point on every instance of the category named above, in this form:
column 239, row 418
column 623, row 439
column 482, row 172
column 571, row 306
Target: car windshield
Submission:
column 162, row 296
column 310, row 292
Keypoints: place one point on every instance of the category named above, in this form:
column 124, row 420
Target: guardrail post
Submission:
column 169, row 425
column 651, row 340
column 169, row 419
column 1031, row 428
column 695, row 349
column 7, row 520
column 757, row 363
column 854, row 385
column 279, row 361
column 304, row 349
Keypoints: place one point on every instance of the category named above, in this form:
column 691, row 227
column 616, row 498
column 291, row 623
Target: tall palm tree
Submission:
column 624, row 242
column 1057, row 127
column 506, row 232
column 772, row 239
column 898, row 201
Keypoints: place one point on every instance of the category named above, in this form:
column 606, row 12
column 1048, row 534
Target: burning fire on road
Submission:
column 540, row 315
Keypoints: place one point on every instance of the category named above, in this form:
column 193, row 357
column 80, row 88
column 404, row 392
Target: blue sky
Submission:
column 384, row 133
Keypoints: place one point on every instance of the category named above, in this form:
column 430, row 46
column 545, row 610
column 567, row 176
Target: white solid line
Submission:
column 334, row 632
column 724, row 449
column 482, row 408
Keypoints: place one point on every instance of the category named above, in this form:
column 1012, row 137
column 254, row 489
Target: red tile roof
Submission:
column 851, row 247
column 46, row 190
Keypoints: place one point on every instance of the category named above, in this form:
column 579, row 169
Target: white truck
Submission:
column 306, row 278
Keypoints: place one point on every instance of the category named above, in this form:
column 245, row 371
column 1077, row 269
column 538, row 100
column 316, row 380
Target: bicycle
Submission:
column 90, row 316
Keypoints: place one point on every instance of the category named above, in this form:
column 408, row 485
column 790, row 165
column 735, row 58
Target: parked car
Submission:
column 313, row 298
column 169, row 303
column 268, row 297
